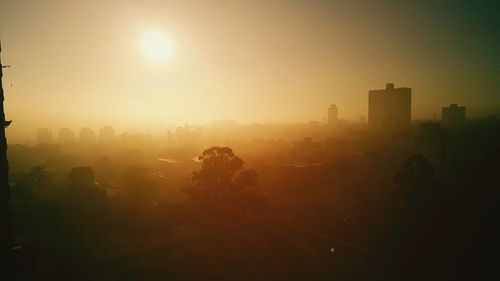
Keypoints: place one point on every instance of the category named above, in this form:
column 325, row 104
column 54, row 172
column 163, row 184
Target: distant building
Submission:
column 389, row 109
column 44, row 135
column 66, row 136
column 453, row 116
column 87, row 136
column 307, row 150
column 333, row 118
column 106, row 134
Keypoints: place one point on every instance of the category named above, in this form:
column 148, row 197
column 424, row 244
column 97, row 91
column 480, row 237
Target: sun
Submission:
column 156, row 46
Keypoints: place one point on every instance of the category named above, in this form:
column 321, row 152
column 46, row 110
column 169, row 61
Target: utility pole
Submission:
column 6, row 254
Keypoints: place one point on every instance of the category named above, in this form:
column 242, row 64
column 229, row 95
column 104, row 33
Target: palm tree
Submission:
column 38, row 179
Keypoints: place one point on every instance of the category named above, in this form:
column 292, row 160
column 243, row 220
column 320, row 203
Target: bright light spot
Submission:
column 156, row 46
column 332, row 249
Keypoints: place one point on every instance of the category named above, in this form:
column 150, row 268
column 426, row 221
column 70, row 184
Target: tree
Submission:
column 415, row 182
column 38, row 176
column 32, row 185
column 84, row 195
column 219, row 165
column 38, row 179
column 222, row 187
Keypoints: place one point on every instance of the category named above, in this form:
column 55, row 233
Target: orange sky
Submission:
column 79, row 63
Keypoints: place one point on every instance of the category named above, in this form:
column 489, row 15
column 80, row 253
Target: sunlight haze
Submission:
column 249, row 140
column 156, row 46
column 167, row 63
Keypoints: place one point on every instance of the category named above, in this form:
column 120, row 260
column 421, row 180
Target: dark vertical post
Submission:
column 5, row 211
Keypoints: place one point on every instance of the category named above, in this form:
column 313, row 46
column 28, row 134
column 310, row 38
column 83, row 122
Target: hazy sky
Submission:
column 78, row 63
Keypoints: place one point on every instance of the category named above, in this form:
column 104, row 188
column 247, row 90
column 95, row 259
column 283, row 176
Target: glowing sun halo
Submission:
column 156, row 46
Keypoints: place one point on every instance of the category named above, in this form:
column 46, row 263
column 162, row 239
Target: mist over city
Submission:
column 249, row 140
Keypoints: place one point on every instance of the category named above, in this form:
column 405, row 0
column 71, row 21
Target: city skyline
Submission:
column 283, row 68
column 384, row 116
column 389, row 111
column 249, row 140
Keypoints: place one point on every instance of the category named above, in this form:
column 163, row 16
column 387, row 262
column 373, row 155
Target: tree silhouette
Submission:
column 415, row 182
column 32, row 185
column 84, row 195
column 222, row 187
column 38, row 177
column 246, row 178
column 219, row 165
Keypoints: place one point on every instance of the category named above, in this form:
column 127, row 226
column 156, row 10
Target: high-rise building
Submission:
column 66, row 136
column 453, row 116
column 106, row 134
column 333, row 118
column 389, row 109
column 87, row 136
column 44, row 135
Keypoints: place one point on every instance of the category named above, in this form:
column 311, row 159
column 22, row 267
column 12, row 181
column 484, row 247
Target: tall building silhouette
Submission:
column 66, row 136
column 389, row 109
column 333, row 118
column 106, row 134
column 44, row 135
column 87, row 136
column 453, row 116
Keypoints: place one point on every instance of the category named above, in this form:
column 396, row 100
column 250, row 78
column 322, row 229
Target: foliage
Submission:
column 39, row 177
column 222, row 186
column 415, row 181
